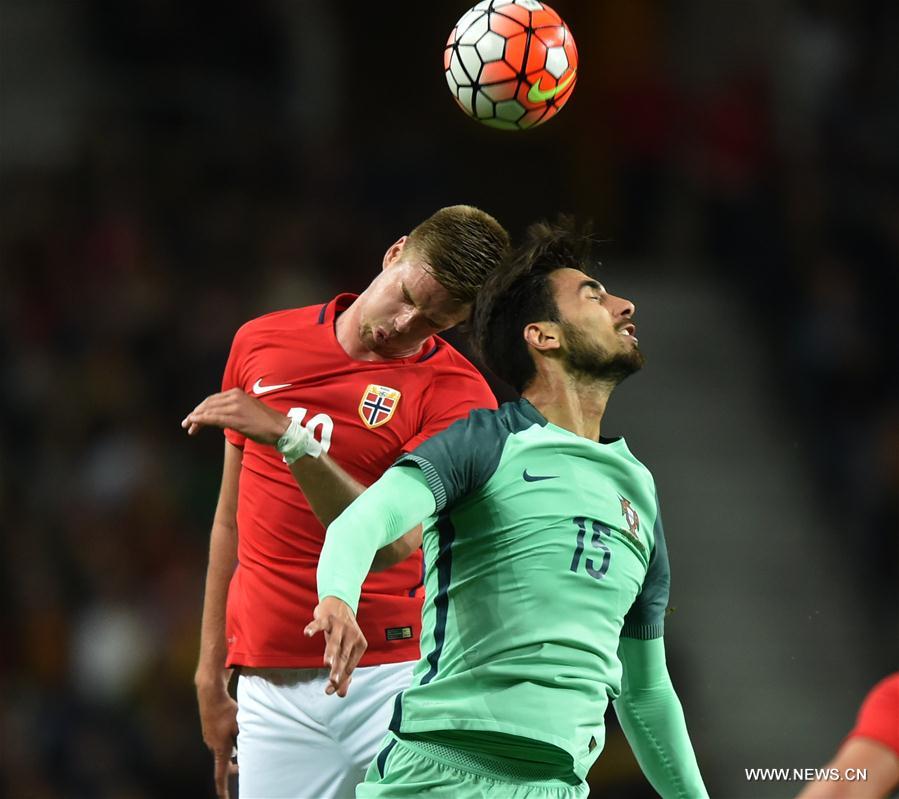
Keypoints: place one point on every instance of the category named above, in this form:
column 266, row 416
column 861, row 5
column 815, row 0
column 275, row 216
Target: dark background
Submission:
column 170, row 170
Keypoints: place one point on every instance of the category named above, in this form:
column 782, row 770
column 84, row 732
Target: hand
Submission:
column 218, row 717
column 344, row 642
column 241, row 412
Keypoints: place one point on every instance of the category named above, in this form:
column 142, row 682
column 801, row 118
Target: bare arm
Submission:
column 330, row 490
column 879, row 763
column 218, row 711
column 327, row 486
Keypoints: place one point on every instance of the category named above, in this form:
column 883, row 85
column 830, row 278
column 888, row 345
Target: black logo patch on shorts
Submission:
column 592, row 745
column 398, row 633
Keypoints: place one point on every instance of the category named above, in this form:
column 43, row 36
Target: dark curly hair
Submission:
column 520, row 293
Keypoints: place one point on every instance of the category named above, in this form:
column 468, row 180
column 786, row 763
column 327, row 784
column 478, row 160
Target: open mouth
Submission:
column 629, row 330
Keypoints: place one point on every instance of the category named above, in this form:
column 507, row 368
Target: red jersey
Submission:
column 878, row 718
column 365, row 413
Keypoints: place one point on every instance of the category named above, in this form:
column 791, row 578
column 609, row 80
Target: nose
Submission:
column 404, row 322
column 625, row 307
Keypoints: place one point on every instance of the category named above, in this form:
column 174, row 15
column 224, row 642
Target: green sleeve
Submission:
column 653, row 721
column 459, row 460
column 380, row 515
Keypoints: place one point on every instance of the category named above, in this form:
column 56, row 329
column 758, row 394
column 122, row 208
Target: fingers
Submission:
column 336, row 658
column 315, row 627
column 223, row 769
column 342, row 651
column 344, row 642
column 345, row 687
column 343, row 654
column 353, row 656
column 333, row 637
column 217, row 410
column 236, row 410
column 192, row 427
column 198, row 419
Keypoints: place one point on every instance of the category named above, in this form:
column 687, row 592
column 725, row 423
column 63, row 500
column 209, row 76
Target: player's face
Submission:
column 598, row 333
column 405, row 305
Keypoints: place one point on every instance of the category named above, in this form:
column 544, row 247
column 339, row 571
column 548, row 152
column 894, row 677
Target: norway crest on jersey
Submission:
column 378, row 405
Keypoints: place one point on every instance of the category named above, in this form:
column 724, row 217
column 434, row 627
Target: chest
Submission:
column 361, row 414
column 551, row 480
column 556, row 519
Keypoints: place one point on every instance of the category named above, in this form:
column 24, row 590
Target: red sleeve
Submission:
column 232, row 378
column 878, row 718
column 449, row 397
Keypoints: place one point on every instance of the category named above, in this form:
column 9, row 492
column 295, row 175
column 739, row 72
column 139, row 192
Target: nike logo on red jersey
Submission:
column 258, row 388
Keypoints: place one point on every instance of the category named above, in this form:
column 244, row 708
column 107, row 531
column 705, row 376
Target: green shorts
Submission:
column 408, row 769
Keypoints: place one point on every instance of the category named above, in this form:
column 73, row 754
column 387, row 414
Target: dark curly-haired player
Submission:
column 547, row 569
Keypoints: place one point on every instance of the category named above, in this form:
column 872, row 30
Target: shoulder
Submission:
column 878, row 713
column 276, row 321
column 443, row 359
column 445, row 372
column 622, row 447
column 883, row 698
column 489, row 424
column 464, row 456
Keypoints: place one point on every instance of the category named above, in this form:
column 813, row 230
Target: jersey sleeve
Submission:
column 398, row 501
column 449, row 397
column 232, row 378
column 878, row 718
column 646, row 617
column 653, row 721
column 462, row 458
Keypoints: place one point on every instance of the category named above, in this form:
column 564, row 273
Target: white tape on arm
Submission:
column 296, row 442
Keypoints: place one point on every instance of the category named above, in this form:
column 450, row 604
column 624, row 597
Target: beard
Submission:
column 588, row 360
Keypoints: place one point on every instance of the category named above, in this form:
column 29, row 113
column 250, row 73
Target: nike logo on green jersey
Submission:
column 538, row 95
column 533, row 478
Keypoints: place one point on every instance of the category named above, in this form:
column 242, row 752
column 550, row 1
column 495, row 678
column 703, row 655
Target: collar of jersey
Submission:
column 337, row 306
column 531, row 412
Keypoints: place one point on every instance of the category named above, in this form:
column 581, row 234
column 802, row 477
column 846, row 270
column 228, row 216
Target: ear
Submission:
column 543, row 336
column 394, row 253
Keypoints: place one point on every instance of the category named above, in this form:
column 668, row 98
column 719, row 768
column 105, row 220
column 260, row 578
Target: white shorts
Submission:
column 295, row 742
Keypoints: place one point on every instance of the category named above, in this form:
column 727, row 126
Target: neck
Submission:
column 570, row 402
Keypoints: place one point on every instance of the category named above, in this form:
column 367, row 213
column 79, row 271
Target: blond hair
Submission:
column 461, row 246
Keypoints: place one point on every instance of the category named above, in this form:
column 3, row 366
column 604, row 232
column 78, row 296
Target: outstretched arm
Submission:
column 399, row 500
column 653, row 721
column 327, row 486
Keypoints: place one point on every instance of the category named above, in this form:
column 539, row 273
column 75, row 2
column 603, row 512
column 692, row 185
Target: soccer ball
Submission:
column 511, row 64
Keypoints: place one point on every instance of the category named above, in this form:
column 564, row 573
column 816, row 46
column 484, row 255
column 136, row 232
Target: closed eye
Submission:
column 409, row 301
column 596, row 289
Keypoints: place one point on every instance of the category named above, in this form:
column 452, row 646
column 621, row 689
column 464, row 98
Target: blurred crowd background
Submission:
column 170, row 170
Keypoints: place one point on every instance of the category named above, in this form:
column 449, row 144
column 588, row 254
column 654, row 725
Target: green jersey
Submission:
column 544, row 550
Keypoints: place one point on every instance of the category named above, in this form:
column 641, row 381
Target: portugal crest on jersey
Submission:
column 378, row 405
column 630, row 516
